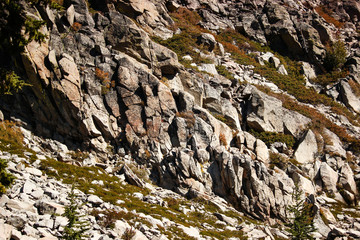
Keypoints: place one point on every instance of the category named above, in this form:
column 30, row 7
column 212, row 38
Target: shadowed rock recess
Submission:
column 186, row 119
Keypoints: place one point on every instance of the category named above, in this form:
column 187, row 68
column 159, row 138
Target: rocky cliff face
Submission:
column 106, row 81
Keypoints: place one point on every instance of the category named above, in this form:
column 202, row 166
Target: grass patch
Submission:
column 226, row 234
column 271, row 137
column 82, row 177
column 221, row 69
column 329, row 78
column 278, row 160
column 183, row 43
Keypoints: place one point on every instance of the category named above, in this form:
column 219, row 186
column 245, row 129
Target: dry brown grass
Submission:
column 222, row 139
column 189, row 118
column 326, row 14
column 355, row 87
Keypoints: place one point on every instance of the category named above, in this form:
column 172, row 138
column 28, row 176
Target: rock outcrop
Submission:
column 102, row 83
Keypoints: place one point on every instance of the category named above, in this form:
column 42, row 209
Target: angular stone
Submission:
column 262, row 152
column 33, row 171
column 5, row 230
column 329, row 177
column 29, row 186
column 305, row 153
column 47, row 207
column 131, row 177
column 21, row 206
column 94, row 200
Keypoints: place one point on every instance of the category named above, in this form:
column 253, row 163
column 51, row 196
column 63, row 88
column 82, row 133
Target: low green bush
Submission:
column 270, row 137
column 6, row 178
column 335, row 56
column 221, row 69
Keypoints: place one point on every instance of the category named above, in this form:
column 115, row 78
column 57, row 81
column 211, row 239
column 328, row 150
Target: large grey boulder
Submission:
column 307, row 149
column 329, row 177
column 333, row 144
column 265, row 113
column 262, row 152
column 348, row 97
column 346, row 179
column 208, row 40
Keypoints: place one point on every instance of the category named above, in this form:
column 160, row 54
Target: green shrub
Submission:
column 277, row 160
column 10, row 82
column 270, row 137
column 6, row 178
column 329, row 78
column 14, row 22
column 335, row 56
column 76, row 228
column 301, row 225
column 221, row 69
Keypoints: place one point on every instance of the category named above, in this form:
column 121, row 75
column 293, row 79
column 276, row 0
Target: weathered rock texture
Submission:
column 105, row 84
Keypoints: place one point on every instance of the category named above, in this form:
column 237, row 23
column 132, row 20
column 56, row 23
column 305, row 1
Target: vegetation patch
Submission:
column 319, row 121
column 278, row 160
column 271, row 137
column 326, row 14
column 183, row 43
column 10, row 82
column 221, row 69
column 329, row 78
column 335, row 56
column 111, row 191
column 189, row 118
column 225, row 234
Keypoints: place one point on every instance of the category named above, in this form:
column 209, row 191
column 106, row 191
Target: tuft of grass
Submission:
column 221, row 69
column 355, row 87
column 189, row 118
column 278, row 160
column 329, row 78
column 225, row 234
column 270, row 137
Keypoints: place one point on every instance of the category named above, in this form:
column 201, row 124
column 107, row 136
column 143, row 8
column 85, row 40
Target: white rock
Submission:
column 29, row 186
column 30, row 231
column 15, row 234
column 138, row 195
column 328, row 176
column 120, row 227
column 38, row 193
column 307, row 149
column 354, row 233
column 33, row 171
column 5, row 230
column 256, row 234
column 139, row 236
column 282, row 70
column 304, row 184
column 3, row 200
column 190, row 231
column 70, row 14
column 327, row 215
column 261, row 150
column 21, row 206
column 95, row 200
column 208, row 67
column 60, row 221
column 187, row 58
